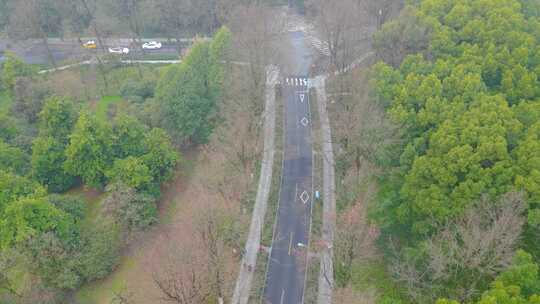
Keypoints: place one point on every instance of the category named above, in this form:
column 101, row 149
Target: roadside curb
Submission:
column 326, row 272
column 245, row 277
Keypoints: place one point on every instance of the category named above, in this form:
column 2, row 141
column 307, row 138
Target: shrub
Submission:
column 101, row 249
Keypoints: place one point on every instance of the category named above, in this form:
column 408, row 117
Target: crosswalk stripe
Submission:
column 296, row 24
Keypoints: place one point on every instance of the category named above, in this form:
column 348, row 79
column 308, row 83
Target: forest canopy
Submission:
column 467, row 99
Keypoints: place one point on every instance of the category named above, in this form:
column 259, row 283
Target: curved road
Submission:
column 286, row 275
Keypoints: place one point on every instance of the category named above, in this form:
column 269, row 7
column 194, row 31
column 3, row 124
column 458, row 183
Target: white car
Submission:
column 152, row 45
column 119, row 50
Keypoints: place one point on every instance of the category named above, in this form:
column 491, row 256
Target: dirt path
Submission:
column 245, row 276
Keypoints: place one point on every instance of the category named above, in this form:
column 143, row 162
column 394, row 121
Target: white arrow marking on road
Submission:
column 304, row 197
column 302, row 96
column 305, row 121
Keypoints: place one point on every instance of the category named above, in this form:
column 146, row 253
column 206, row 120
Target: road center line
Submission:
column 282, row 296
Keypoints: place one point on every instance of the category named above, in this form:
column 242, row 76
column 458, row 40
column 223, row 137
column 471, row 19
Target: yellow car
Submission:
column 90, row 44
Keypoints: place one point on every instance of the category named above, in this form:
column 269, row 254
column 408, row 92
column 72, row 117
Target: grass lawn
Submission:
column 150, row 56
column 103, row 106
column 5, row 102
column 102, row 291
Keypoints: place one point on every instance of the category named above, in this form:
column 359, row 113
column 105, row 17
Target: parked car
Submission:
column 91, row 44
column 152, row 45
column 119, row 50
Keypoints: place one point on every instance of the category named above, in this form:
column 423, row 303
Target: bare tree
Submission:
column 179, row 18
column 408, row 34
column 197, row 265
column 36, row 18
column 355, row 235
column 469, row 251
column 355, row 238
column 381, row 10
column 256, row 29
column 343, row 25
column 180, row 279
column 128, row 11
column 89, row 9
column 361, row 127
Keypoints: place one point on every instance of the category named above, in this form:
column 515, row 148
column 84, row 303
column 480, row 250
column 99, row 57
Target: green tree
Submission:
column 159, row 156
column 219, row 51
column 467, row 157
column 53, row 261
column 72, row 205
column 89, row 153
column 188, row 93
column 519, row 284
column 29, row 217
column 129, row 132
column 8, row 129
column 56, row 121
column 28, row 98
column 13, row 159
column 13, row 68
column 14, row 187
column 57, row 118
column 185, row 97
column 132, row 172
column 464, row 89
column 131, row 210
column 101, row 245
column 48, row 158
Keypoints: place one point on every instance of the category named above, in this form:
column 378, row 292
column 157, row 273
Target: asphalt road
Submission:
column 34, row 52
column 286, row 275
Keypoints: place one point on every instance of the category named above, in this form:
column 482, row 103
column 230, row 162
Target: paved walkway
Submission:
column 243, row 284
column 326, row 273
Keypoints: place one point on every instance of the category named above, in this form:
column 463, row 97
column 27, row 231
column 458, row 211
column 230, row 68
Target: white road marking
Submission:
column 297, row 81
column 282, row 296
column 302, row 96
column 304, row 197
column 305, row 122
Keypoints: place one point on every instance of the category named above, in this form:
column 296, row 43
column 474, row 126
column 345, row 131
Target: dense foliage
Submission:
column 188, row 93
column 51, row 144
column 467, row 99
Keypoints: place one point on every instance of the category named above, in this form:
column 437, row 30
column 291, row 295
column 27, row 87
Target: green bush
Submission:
column 72, row 205
column 53, row 261
column 100, row 250
column 131, row 210
column 13, row 159
column 12, row 68
column 138, row 90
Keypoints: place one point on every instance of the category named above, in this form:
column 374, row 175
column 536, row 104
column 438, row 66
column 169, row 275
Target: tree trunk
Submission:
column 46, row 44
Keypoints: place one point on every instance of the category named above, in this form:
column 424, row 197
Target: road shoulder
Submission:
column 245, row 277
column 326, row 272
